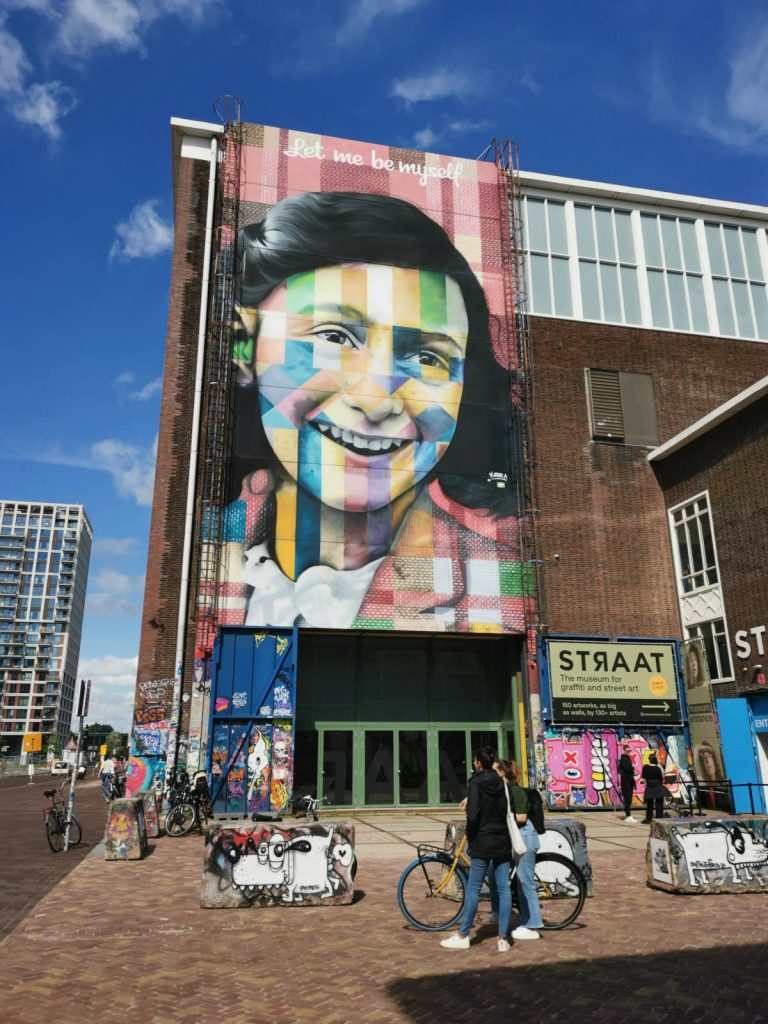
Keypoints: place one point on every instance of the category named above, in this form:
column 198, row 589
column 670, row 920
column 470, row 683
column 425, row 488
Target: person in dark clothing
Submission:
column 654, row 789
column 489, row 847
column 627, row 784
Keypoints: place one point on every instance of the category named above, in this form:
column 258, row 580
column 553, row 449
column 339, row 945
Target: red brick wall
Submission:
column 731, row 463
column 601, row 508
column 161, row 595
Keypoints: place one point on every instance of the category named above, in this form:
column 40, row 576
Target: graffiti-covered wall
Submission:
column 149, row 735
column 582, row 765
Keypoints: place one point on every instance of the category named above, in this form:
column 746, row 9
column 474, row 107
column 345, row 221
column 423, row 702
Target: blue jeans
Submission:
column 530, row 911
column 499, row 872
column 106, row 785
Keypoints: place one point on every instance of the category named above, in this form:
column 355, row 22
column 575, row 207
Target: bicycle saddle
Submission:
column 49, row 792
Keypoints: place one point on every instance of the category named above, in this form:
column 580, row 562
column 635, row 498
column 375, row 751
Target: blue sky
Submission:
column 662, row 95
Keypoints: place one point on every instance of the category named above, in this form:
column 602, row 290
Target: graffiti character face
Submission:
column 360, row 371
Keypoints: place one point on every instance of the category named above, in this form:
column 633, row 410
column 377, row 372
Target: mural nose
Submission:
column 375, row 404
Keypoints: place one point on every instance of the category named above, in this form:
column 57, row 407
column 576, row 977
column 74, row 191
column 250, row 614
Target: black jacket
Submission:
column 487, row 817
column 654, row 782
column 626, row 771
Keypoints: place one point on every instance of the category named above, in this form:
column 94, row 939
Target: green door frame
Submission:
column 358, row 730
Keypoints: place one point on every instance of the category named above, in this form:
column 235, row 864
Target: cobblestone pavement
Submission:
column 28, row 867
column 127, row 941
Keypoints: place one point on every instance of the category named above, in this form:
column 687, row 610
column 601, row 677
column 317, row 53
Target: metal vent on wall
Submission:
column 604, row 390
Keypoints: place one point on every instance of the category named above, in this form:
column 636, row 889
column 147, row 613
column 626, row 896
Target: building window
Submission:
column 716, row 647
column 738, row 280
column 547, row 244
column 694, row 544
column 607, row 264
column 675, row 278
column 622, row 408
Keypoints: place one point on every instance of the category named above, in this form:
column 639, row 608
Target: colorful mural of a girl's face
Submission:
column 360, row 371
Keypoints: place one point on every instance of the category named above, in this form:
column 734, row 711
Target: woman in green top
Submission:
column 530, row 911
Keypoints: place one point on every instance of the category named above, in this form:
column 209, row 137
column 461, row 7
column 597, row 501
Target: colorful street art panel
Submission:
column 152, row 717
column 263, row 866
column 716, row 855
column 144, row 773
column 373, row 479
column 582, row 765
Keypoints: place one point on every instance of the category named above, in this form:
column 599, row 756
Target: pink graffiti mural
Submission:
column 582, row 765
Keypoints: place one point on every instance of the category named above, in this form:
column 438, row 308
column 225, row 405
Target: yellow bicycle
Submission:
column 432, row 888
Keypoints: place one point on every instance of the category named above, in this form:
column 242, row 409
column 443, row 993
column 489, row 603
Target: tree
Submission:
column 117, row 743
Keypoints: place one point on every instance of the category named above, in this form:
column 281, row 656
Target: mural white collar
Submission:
column 321, row 596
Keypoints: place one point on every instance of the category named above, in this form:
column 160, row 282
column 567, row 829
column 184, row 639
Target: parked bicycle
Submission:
column 190, row 804
column 432, row 889
column 306, row 806
column 56, row 821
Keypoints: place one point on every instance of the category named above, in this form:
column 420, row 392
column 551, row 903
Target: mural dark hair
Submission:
column 319, row 229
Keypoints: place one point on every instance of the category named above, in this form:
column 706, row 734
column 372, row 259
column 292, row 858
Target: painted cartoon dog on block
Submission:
column 275, row 866
column 722, row 848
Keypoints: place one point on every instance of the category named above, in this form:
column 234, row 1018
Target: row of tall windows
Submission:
column 645, row 269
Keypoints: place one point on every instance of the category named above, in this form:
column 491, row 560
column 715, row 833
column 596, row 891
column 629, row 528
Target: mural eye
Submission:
column 336, row 335
column 343, row 854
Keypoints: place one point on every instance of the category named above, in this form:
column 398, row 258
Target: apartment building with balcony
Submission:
column 44, row 556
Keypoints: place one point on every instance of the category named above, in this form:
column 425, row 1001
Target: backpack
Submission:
column 536, row 810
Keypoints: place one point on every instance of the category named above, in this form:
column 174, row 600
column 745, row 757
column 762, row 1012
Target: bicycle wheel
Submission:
column 75, row 831
column 180, row 820
column 418, row 901
column 561, row 889
column 54, row 833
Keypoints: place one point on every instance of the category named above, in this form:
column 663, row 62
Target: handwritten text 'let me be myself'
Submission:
column 315, row 151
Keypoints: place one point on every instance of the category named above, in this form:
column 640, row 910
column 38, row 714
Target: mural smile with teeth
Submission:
column 359, row 443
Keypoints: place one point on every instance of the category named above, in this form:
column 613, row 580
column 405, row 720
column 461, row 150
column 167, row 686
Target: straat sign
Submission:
column 613, row 683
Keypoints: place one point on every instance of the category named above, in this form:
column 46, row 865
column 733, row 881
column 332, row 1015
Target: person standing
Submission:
column 489, row 847
column 654, row 789
column 627, row 784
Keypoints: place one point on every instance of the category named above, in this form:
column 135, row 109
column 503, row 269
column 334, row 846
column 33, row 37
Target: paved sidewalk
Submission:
column 123, row 941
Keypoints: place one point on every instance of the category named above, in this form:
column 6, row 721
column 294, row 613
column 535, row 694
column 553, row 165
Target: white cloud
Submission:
column 143, row 234
column 425, row 138
column 437, row 85
column 43, row 105
column 530, row 83
column 737, row 114
column 132, row 470
column 362, row 14
column 145, row 393
column 113, row 683
column 115, row 594
column 114, row 545
column 127, row 377
column 75, row 29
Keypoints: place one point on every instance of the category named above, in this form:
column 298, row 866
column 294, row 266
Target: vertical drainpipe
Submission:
column 173, row 737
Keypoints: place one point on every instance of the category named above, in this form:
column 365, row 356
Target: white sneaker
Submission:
column 457, row 942
column 502, row 945
column 629, row 820
column 525, row 933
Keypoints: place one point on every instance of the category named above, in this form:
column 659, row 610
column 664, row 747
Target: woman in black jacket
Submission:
column 654, row 789
column 489, row 848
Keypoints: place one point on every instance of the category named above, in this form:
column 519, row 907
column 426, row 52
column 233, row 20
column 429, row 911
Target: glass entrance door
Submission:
column 396, row 765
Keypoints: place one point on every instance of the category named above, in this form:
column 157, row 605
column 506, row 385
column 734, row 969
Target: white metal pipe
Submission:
column 191, row 485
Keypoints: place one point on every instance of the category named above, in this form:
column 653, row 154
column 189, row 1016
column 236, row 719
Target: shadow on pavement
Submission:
column 707, row 986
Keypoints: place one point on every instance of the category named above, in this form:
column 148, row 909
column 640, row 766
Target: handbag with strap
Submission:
column 515, row 835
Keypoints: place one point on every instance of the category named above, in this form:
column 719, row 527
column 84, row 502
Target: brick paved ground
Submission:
column 128, row 941
column 28, row 868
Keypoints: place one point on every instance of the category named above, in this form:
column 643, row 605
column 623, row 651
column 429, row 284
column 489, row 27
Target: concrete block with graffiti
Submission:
column 261, row 865
column 150, row 804
column 563, row 836
column 715, row 855
column 125, row 835
column 582, row 765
